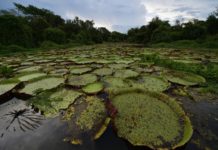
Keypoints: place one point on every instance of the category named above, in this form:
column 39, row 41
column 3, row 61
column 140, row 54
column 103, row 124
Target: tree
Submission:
column 14, row 31
column 55, row 35
column 193, row 30
column 38, row 25
column 212, row 25
column 32, row 12
column 105, row 33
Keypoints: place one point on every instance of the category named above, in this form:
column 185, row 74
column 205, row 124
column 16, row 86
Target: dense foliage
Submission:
column 29, row 26
column 32, row 27
column 193, row 32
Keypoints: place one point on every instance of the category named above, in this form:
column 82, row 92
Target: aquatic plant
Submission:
column 81, row 80
column 103, row 71
column 93, row 88
column 125, row 73
column 153, row 120
column 29, row 76
column 183, row 78
column 80, row 70
column 89, row 116
column 43, row 83
column 8, row 85
column 150, row 83
column 52, row 101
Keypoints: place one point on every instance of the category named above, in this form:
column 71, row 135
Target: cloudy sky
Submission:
column 120, row 15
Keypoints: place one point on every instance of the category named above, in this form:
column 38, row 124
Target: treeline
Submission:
column 158, row 31
column 33, row 27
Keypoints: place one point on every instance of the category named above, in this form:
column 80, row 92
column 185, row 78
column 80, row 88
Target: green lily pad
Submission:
column 41, row 84
column 90, row 116
column 184, row 78
column 150, row 83
column 118, row 66
column 93, row 88
column 150, row 119
column 60, row 72
column 115, row 83
column 103, row 71
column 7, row 85
column 81, row 80
column 30, row 76
column 30, row 69
column 126, row 73
column 50, row 102
column 80, row 70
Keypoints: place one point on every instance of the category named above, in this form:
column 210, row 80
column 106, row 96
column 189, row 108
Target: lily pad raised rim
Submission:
column 188, row 129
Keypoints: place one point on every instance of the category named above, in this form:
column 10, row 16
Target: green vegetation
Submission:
column 80, row 70
column 5, row 71
column 130, row 80
column 183, row 78
column 28, row 28
column 209, row 70
column 94, row 112
column 125, row 73
column 81, row 80
column 41, row 83
column 103, row 71
column 52, row 101
column 193, row 34
column 150, row 83
column 8, row 85
column 93, row 88
column 154, row 116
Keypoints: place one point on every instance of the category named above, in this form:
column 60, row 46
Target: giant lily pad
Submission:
column 113, row 83
column 126, row 73
column 93, row 88
column 89, row 117
column 103, row 71
column 150, row 83
column 50, row 102
column 80, row 70
column 30, row 69
column 150, row 119
column 7, row 85
column 30, row 76
column 184, row 78
column 118, row 66
column 81, row 80
column 40, row 84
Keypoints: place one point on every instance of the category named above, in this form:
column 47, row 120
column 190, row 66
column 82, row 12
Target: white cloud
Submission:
column 173, row 9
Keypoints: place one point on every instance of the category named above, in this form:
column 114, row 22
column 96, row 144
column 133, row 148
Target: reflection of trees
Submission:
column 23, row 119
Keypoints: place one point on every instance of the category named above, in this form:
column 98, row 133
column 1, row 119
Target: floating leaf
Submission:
column 93, row 88
column 150, row 119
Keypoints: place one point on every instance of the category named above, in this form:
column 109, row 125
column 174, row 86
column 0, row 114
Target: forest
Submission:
column 32, row 27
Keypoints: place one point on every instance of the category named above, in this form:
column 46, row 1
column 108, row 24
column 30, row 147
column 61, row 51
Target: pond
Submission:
column 105, row 97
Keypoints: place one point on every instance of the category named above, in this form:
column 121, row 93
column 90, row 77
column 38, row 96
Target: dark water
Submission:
column 51, row 132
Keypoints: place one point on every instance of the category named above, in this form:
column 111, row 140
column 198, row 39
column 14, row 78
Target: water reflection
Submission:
column 17, row 116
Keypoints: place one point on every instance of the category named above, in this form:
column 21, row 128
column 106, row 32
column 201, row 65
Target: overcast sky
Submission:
column 120, row 15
